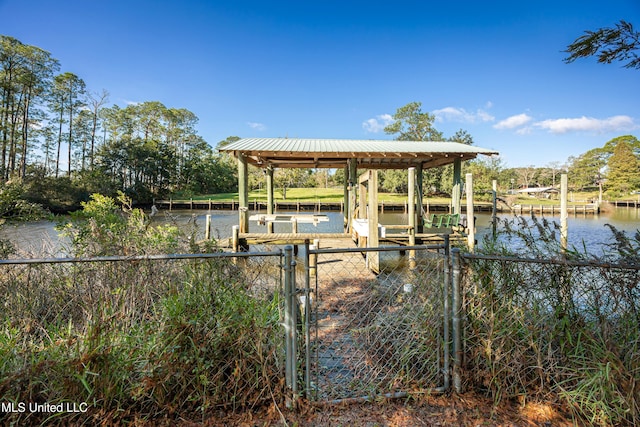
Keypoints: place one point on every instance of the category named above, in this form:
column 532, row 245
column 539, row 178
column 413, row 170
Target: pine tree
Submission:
column 623, row 169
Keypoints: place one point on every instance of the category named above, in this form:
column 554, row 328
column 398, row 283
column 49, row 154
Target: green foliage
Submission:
column 591, row 168
column 13, row 203
column 586, row 169
column 411, row 124
column 145, row 150
column 394, row 181
column 139, row 341
column 59, row 195
column 26, row 73
column 619, row 43
column 547, row 323
column 206, row 172
column 623, row 173
column 107, row 227
column 294, row 177
column 484, row 171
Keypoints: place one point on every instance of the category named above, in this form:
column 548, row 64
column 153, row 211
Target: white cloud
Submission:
column 588, row 124
column 524, row 130
column 454, row 114
column 257, row 126
column 378, row 123
column 513, row 121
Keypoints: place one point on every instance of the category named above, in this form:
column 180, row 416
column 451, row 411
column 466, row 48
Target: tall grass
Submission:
column 140, row 339
column 564, row 327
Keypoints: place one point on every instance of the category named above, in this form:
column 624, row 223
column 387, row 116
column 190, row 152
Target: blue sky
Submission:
column 339, row 69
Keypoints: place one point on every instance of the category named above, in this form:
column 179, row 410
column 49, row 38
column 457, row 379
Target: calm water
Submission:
column 39, row 238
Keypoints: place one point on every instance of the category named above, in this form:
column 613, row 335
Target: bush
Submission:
column 105, row 226
column 138, row 339
column 14, row 206
column 562, row 325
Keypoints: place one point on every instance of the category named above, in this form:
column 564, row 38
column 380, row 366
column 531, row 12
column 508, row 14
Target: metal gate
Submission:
column 364, row 335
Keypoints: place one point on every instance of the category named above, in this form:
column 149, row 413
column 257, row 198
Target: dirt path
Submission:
column 457, row 410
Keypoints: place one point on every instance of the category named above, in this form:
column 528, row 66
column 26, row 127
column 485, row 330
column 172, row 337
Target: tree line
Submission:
column 55, row 130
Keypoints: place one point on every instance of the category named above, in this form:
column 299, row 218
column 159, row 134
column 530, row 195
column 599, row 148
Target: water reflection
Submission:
column 39, row 238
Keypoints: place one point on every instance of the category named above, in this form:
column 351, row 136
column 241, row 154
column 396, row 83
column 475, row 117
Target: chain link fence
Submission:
column 199, row 331
column 554, row 329
column 156, row 334
column 371, row 335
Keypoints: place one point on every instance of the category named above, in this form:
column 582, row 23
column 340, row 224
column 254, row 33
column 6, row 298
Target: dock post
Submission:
column 411, row 199
column 369, row 181
column 563, row 211
column 345, row 201
column 243, row 193
column 207, row 228
column 494, row 205
column 235, row 237
column 352, row 187
column 471, row 236
column 456, row 191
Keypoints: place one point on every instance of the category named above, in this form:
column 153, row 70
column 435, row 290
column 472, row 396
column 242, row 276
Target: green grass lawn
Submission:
column 310, row 194
column 336, row 195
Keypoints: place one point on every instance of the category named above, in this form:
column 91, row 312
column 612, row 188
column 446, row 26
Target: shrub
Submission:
column 542, row 323
column 138, row 339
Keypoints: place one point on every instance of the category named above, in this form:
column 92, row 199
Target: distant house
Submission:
column 539, row 192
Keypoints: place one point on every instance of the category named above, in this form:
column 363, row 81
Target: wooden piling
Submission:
column 235, row 238
column 563, row 211
column 471, row 236
column 207, row 228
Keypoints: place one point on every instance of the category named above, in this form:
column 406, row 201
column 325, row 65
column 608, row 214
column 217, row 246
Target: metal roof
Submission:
column 333, row 153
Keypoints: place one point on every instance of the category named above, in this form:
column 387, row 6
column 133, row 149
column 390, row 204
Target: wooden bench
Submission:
column 442, row 221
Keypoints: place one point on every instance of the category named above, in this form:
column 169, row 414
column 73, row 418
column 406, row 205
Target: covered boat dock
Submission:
column 360, row 191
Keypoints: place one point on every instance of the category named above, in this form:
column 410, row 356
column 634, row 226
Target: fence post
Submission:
column 310, row 268
column 446, row 314
column 456, row 322
column 290, row 323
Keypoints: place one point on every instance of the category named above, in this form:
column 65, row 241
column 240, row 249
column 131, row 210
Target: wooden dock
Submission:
column 307, row 206
column 389, row 207
column 588, row 209
column 337, row 240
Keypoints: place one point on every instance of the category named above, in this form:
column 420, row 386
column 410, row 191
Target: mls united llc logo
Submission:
column 21, row 407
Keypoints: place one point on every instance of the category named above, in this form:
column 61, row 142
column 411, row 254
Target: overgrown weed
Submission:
column 138, row 339
column 559, row 324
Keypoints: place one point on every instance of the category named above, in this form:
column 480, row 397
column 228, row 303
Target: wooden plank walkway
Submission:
column 337, row 240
